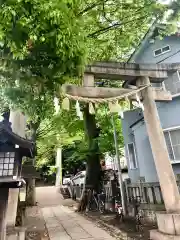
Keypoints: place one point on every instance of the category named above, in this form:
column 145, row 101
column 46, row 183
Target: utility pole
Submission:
column 59, row 167
column 59, row 164
column 119, row 168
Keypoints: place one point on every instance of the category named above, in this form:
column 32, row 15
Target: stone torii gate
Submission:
column 141, row 75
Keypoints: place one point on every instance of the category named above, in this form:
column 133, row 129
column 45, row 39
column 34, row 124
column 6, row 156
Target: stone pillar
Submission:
column 12, row 206
column 59, row 167
column 159, row 150
column 3, row 211
column 18, row 124
column 88, row 80
column 169, row 221
column 31, row 192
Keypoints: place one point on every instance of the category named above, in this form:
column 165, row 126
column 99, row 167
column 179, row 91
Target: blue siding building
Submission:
column 137, row 147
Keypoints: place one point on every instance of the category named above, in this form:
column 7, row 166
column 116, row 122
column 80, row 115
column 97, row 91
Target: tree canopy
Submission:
column 62, row 32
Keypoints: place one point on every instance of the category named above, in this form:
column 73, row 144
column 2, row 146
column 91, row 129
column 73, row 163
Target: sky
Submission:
column 165, row 1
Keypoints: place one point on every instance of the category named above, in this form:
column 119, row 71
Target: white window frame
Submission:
column 175, row 161
column 130, row 163
column 161, row 51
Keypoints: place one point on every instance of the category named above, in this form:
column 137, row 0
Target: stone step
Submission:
column 156, row 235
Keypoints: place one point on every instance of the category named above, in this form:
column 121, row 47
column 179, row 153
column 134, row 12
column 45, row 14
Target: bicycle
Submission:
column 118, row 207
column 101, row 202
column 136, row 201
column 97, row 202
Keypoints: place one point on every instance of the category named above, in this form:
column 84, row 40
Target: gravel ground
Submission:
column 126, row 230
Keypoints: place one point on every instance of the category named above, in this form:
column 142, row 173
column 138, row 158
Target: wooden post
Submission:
column 3, row 210
column 126, row 182
column 88, row 80
column 159, row 150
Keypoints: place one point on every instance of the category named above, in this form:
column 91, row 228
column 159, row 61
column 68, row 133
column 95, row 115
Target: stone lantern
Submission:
column 12, row 150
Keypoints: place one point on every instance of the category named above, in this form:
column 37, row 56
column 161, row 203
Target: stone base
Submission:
column 168, row 223
column 15, row 233
column 168, row 227
column 156, row 235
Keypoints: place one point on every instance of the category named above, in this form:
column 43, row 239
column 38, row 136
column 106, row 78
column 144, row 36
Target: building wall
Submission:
column 144, row 154
column 18, row 123
column 169, row 117
column 169, row 112
column 129, row 118
column 146, row 55
column 111, row 162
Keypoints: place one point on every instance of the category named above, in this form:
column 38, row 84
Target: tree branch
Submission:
column 116, row 25
column 104, row 14
column 90, row 7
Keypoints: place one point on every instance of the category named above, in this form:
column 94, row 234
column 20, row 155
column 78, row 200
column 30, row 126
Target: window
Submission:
column 162, row 50
column 157, row 52
column 132, row 156
column 172, row 138
column 6, row 163
column 166, row 49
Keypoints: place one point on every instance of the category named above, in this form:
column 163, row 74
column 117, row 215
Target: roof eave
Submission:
column 143, row 42
column 27, row 145
column 136, row 122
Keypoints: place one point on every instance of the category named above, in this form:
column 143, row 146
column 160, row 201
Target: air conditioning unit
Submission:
column 151, row 41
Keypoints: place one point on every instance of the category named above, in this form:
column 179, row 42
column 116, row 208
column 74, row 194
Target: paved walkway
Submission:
column 48, row 196
column 62, row 222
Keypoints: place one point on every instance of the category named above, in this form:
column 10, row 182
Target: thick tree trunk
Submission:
column 31, row 183
column 93, row 161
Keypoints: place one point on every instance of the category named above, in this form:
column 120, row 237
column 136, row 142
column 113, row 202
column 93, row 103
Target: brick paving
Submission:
column 64, row 224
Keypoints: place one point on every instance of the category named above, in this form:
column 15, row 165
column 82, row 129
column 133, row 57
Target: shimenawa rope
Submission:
column 104, row 100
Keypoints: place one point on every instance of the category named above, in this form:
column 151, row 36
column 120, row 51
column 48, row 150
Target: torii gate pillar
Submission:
column 167, row 221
